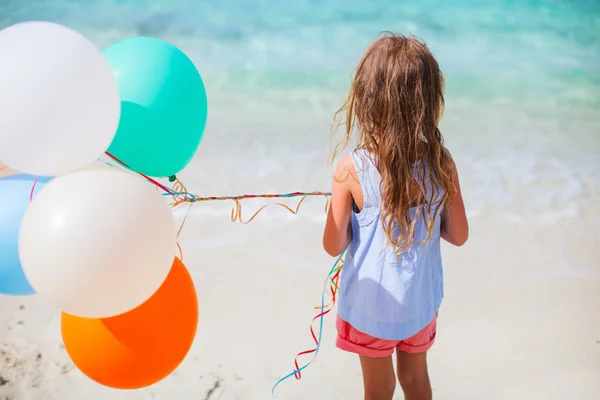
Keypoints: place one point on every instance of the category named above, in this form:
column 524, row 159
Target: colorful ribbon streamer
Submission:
column 333, row 279
column 33, row 189
column 180, row 196
column 236, row 212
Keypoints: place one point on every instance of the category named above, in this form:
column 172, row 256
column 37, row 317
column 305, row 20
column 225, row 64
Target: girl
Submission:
column 393, row 198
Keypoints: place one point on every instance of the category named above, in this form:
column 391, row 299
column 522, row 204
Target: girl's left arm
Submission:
column 338, row 230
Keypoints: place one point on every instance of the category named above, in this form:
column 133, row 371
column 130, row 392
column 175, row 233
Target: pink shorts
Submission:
column 354, row 341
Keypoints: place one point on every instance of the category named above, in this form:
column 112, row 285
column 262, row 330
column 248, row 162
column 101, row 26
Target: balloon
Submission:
column 98, row 242
column 16, row 193
column 141, row 347
column 59, row 99
column 164, row 106
column 6, row 171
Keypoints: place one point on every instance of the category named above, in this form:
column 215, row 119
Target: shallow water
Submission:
column 523, row 90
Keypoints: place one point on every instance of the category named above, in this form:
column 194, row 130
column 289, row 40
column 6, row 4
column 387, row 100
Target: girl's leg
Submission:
column 413, row 375
column 378, row 377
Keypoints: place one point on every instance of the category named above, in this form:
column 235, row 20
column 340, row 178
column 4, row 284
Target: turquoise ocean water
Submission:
column 523, row 84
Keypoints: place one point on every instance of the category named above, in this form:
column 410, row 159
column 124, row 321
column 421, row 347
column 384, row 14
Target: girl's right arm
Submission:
column 455, row 227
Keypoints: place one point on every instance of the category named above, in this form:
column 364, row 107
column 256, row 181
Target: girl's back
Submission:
column 393, row 198
column 382, row 293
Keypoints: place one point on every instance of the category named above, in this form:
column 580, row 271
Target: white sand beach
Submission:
column 519, row 321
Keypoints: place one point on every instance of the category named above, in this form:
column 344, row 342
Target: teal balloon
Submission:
column 163, row 106
column 16, row 192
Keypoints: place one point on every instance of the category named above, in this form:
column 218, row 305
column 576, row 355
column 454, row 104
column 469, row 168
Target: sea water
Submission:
column 522, row 78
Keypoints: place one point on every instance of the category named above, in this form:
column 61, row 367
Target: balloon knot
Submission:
column 172, row 178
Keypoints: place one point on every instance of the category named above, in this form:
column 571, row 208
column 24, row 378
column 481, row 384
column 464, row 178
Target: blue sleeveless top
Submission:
column 381, row 294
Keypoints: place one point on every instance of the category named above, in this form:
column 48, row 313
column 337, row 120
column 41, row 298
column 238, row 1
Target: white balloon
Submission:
column 59, row 100
column 98, row 242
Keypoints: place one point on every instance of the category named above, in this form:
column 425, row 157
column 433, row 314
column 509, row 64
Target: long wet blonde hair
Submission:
column 395, row 103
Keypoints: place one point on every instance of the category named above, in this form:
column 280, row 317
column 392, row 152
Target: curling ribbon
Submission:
column 33, row 189
column 332, row 277
column 236, row 212
column 180, row 196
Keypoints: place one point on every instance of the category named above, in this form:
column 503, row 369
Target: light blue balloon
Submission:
column 15, row 193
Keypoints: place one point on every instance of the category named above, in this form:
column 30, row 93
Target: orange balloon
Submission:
column 143, row 346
